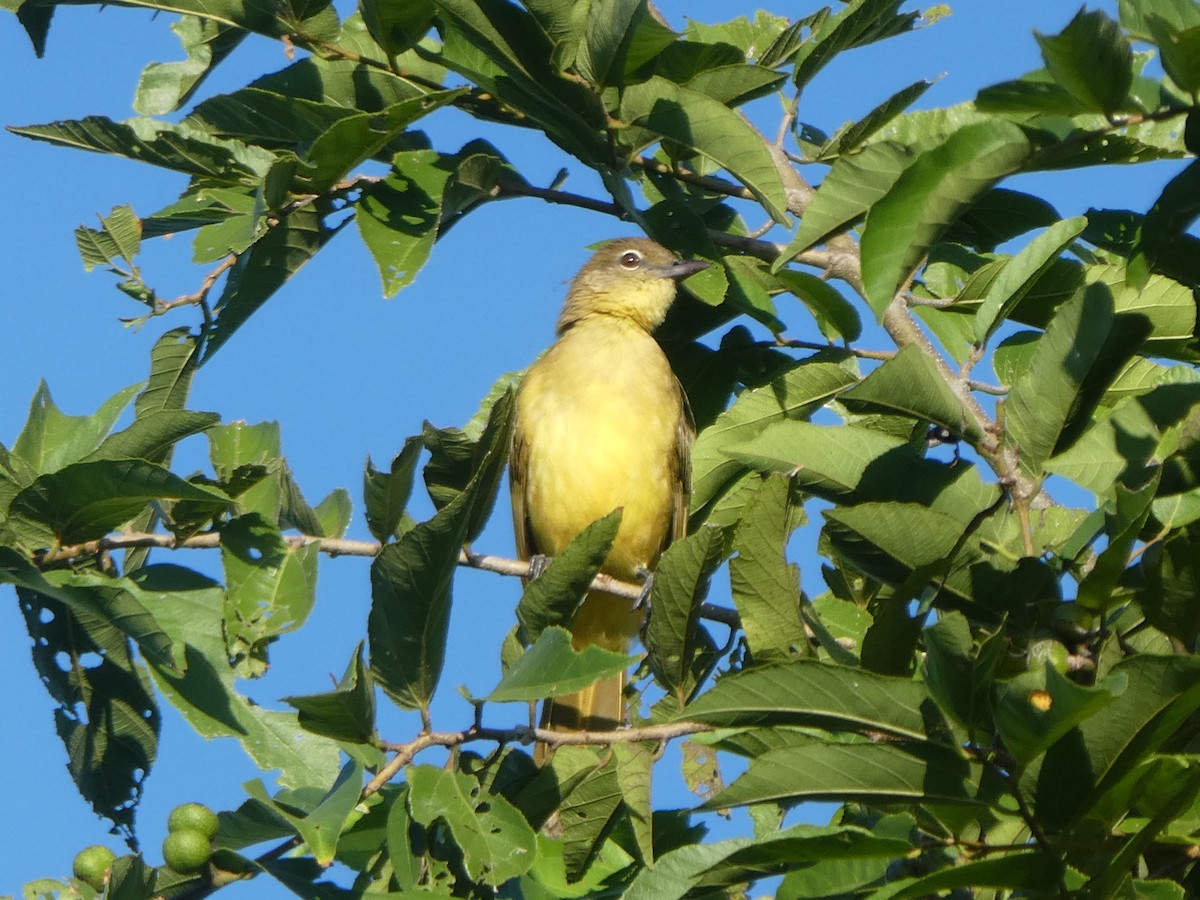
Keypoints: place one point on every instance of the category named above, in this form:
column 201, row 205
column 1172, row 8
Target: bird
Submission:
column 603, row 423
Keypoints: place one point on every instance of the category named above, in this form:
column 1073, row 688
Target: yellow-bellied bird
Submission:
column 602, row 423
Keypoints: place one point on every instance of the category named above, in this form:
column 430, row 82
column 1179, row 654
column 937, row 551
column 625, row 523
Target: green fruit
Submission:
column 1050, row 651
column 91, row 865
column 187, row 851
column 193, row 817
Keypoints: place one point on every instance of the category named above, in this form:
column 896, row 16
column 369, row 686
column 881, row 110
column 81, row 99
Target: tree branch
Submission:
column 525, row 735
column 467, row 558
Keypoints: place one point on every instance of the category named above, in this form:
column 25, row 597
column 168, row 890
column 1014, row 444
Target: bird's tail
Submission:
column 609, row 622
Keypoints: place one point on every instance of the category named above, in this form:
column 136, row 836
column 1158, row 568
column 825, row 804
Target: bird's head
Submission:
column 627, row 278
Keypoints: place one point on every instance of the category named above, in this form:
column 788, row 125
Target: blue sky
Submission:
column 345, row 372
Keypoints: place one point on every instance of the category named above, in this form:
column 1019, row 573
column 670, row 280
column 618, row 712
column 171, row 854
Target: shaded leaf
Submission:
column 766, row 588
column 87, row 500
column 680, row 586
column 344, row 714
column 553, row 597
column 385, row 495
column 709, row 128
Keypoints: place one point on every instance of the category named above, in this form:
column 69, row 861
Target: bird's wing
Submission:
column 685, row 434
column 518, row 472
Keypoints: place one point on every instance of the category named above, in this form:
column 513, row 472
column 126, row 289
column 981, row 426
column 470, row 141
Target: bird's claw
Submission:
column 537, row 565
column 643, row 600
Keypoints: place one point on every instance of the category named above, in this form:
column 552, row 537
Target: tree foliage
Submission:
column 998, row 686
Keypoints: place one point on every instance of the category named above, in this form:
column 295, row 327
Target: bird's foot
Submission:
column 537, row 565
column 643, row 600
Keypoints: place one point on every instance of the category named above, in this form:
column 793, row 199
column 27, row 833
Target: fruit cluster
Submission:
column 191, row 828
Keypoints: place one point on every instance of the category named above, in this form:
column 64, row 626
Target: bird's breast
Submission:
column 599, row 415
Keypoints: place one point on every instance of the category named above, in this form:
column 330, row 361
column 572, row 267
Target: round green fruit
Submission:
column 187, row 851
column 193, row 817
column 91, row 865
column 1050, row 651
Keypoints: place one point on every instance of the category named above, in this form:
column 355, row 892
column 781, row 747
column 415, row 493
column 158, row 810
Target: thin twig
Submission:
column 815, row 345
column 498, row 565
column 521, row 734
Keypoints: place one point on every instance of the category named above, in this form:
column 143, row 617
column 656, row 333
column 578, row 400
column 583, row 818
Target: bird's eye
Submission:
column 631, row 259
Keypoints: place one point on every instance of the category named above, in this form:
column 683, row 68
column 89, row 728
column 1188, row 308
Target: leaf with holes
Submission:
column 496, row 842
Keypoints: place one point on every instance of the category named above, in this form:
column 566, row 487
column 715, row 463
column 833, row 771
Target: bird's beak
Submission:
column 683, row 268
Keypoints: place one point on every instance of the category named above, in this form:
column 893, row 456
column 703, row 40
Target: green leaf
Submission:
column 1136, row 13
column 1172, row 581
column 792, row 395
column 766, row 588
column 1041, row 401
column 411, row 579
column 51, row 440
column 1032, row 94
column 322, row 827
column 105, row 712
column 1091, row 59
column 1161, row 692
column 174, row 147
column 997, row 217
column 1125, row 518
column 860, row 22
column 588, row 811
column 455, row 455
column 385, row 495
column 909, row 383
column 890, row 541
column 1037, row 708
column 119, row 237
column 959, row 677
column 835, row 315
column 398, row 217
column 608, row 26
column 1032, row 870
column 173, row 361
column 852, row 187
column 734, row 85
column 271, row 587
column 353, row 140
column 1020, row 274
column 164, row 87
column 553, row 597
column 396, row 27
column 190, row 609
column 497, row 843
column 822, row 695
column 940, row 184
column 1166, row 305
column 552, row 667
column 680, row 585
column 153, row 436
column 334, row 513
column 1180, row 52
column 502, row 49
column 710, row 128
column 107, row 604
column 865, row 772
column 87, row 500
column 410, row 607
column 739, row 860
column 265, row 268
column 345, row 714
column 852, row 136
column 1164, row 225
